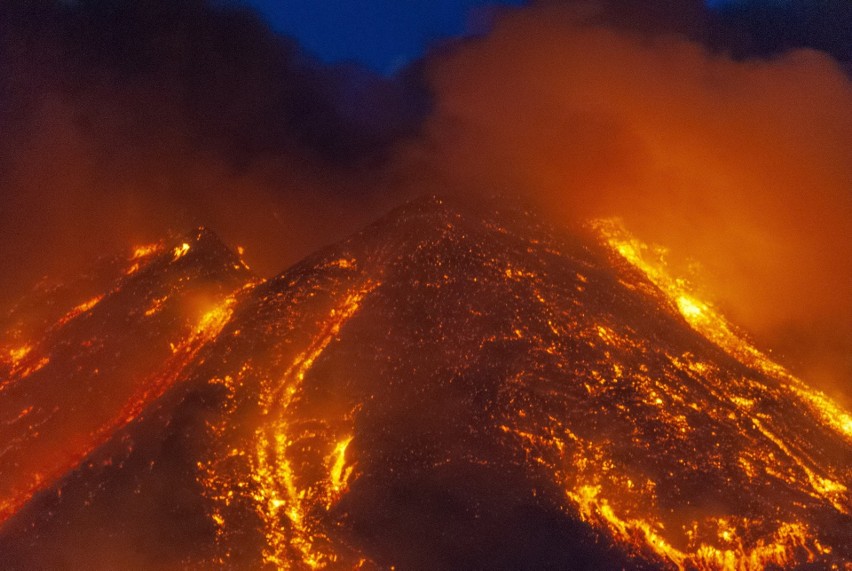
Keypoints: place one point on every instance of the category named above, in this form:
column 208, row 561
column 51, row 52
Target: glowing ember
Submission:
column 156, row 306
column 18, row 354
column 180, row 251
column 79, row 310
column 145, row 251
column 214, row 320
column 339, row 472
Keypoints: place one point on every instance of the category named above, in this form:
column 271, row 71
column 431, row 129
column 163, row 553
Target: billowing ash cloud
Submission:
column 740, row 163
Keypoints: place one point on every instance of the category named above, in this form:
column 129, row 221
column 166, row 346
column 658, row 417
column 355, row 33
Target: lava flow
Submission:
column 75, row 382
column 451, row 388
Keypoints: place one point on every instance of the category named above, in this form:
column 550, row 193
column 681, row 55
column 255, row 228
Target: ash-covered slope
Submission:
column 77, row 368
column 452, row 390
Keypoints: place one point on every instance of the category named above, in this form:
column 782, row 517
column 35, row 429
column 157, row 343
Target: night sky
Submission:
column 383, row 35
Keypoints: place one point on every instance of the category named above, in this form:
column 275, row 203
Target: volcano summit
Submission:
column 448, row 389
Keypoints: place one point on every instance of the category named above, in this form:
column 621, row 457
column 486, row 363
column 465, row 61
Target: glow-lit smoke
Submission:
column 740, row 165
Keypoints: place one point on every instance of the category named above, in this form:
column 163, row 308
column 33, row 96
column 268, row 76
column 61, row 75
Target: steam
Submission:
column 739, row 165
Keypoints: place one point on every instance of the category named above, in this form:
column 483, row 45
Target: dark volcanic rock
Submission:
column 75, row 382
column 451, row 390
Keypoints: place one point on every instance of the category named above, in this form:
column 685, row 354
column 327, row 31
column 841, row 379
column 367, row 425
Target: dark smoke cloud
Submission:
column 739, row 28
column 766, row 26
column 122, row 120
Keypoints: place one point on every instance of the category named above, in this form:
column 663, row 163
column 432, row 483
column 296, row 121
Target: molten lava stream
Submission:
column 47, row 470
column 608, row 498
column 289, row 499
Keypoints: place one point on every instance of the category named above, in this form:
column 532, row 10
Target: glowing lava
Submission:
column 180, row 251
column 287, row 498
column 781, row 455
column 66, row 395
column 440, row 392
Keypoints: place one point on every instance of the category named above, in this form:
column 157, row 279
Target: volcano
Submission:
column 454, row 387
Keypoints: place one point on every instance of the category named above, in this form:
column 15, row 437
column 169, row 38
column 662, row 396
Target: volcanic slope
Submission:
column 82, row 359
column 452, row 389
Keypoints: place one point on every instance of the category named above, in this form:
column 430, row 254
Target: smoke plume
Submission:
column 737, row 164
